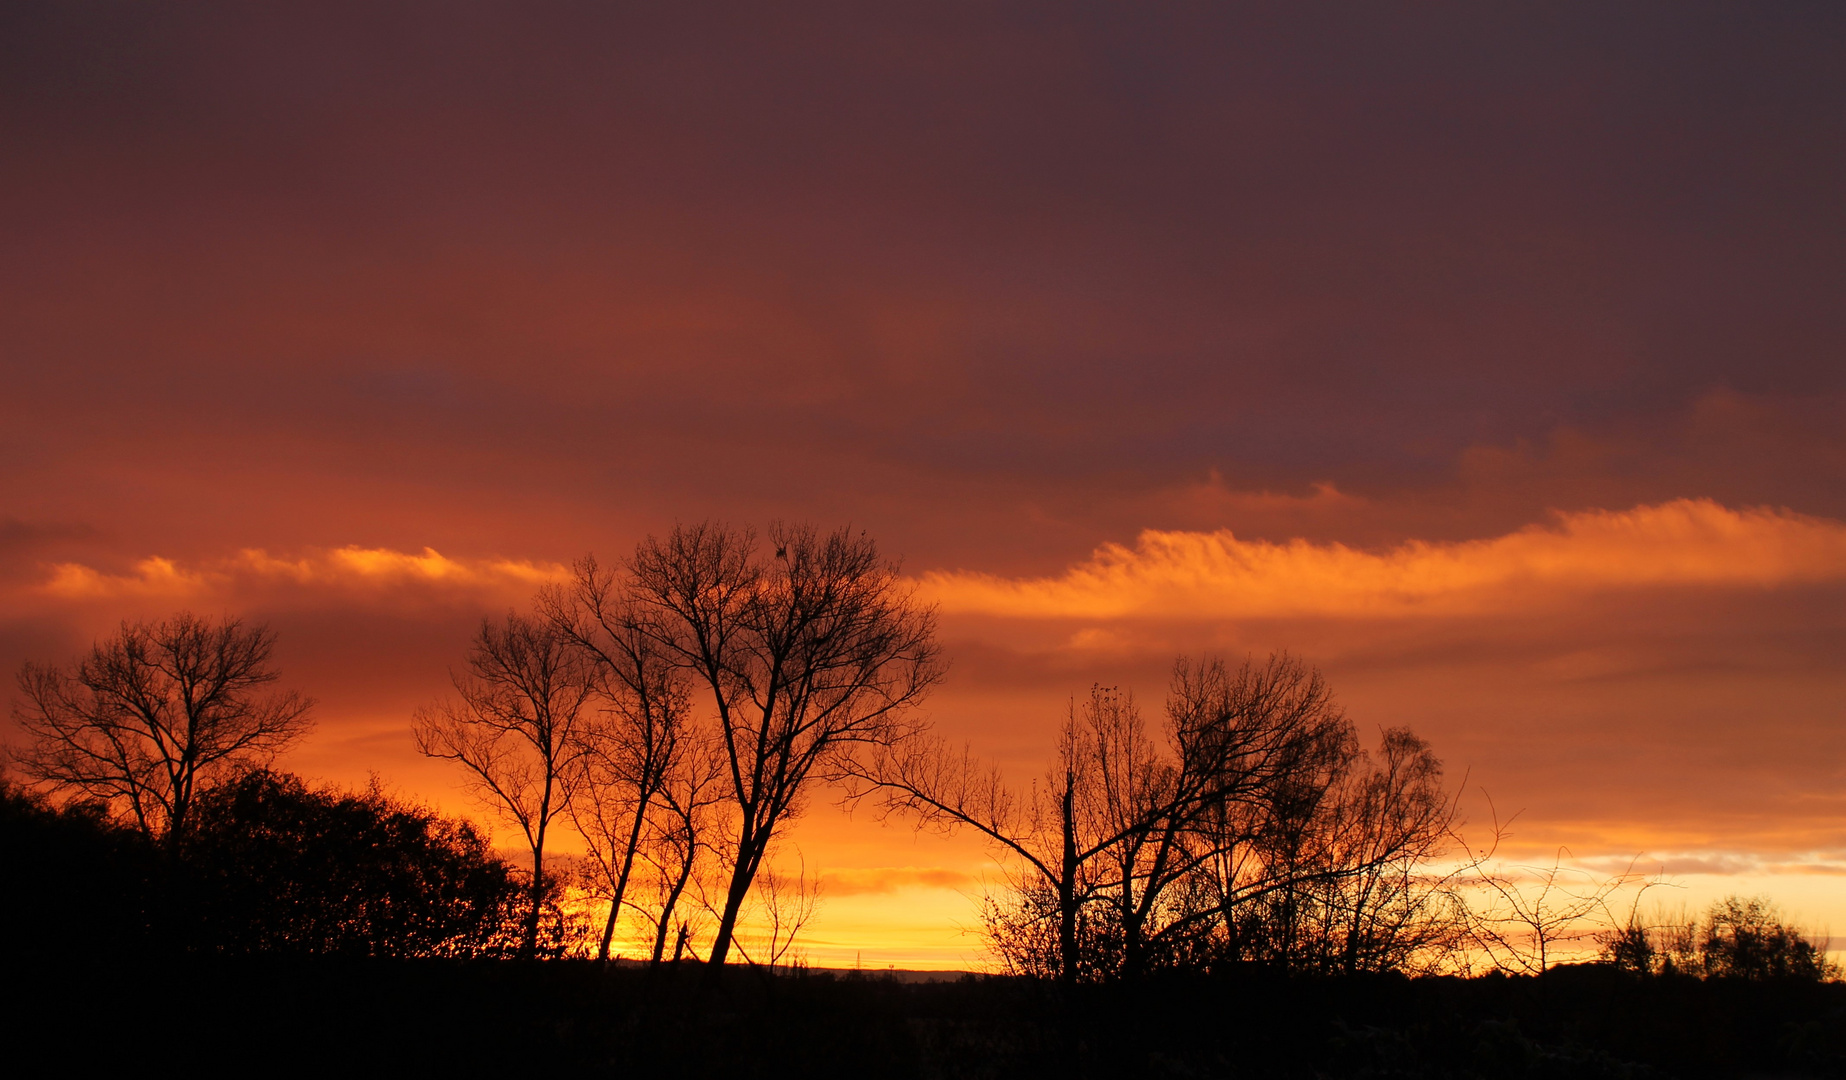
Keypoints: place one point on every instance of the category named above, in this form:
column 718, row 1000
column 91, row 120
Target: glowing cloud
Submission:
column 346, row 568
column 1687, row 542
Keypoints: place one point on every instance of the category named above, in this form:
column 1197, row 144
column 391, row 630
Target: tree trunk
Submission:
column 1067, row 888
column 741, row 876
column 528, row 949
column 666, row 910
column 621, row 882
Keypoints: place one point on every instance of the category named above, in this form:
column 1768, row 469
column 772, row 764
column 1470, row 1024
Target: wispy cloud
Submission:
column 889, row 879
column 345, row 568
column 1687, row 542
column 1723, row 864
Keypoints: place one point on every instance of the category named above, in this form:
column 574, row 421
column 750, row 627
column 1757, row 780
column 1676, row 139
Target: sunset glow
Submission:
column 1497, row 371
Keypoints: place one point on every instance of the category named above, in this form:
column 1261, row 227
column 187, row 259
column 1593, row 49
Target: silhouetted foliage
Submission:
column 1737, row 938
column 275, row 866
column 802, row 656
column 1746, row 939
column 77, row 882
column 153, row 714
column 269, row 865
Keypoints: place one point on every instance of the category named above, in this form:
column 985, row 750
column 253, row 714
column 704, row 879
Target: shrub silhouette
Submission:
column 272, row 865
column 80, row 882
column 1744, row 938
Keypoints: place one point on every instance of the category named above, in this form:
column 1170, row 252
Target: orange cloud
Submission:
column 1686, row 542
column 889, row 879
column 339, row 568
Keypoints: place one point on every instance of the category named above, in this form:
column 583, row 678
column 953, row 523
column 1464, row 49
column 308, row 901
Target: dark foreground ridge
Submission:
column 479, row 1016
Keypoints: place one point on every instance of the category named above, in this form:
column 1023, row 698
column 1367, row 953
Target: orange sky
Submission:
column 1490, row 360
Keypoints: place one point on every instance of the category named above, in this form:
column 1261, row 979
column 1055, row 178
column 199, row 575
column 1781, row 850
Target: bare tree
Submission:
column 516, row 731
column 1249, row 822
column 155, row 712
column 1520, row 917
column 686, row 822
column 788, row 903
column 629, row 754
column 806, row 654
column 1339, row 881
column 1086, row 830
column 946, row 788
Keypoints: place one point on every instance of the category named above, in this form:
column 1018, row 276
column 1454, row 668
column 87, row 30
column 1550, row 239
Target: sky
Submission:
column 1488, row 357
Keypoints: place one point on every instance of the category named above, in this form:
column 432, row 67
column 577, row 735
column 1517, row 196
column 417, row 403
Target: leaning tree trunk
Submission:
column 666, row 909
column 742, row 874
column 1067, row 888
column 621, row 881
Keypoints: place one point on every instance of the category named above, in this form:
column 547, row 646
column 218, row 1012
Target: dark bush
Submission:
column 272, row 865
column 1746, row 939
column 77, row 883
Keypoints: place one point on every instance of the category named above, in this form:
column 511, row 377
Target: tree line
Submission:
column 679, row 711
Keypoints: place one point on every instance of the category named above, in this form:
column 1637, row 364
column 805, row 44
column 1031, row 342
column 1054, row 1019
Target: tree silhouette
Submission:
column 1523, row 916
column 1254, row 829
column 1745, row 938
column 638, row 745
column 153, row 713
column 805, row 654
column 687, row 822
column 517, row 732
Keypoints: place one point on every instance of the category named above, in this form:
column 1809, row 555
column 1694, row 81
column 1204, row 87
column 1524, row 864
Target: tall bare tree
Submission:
column 516, row 730
column 806, row 653
column 686, row 822
column 638, row 740
column 156, row 711
column 1251, row 819
column 1051, row 831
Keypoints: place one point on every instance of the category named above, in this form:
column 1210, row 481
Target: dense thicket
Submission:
column 272, row 865
column 268, row 865
column 78, row 884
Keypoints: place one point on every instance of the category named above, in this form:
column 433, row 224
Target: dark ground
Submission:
column 475, row 1017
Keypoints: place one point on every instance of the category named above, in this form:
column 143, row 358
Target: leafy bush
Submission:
column 1746, row 939
column 276, row 866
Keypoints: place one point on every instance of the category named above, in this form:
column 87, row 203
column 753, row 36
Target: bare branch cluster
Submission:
column 1255, row 829
column 516, row 727
column 154, row 713
column 1524, row 919
column 710, row 685
column 804, row 656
